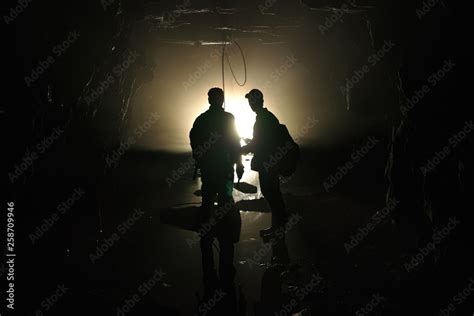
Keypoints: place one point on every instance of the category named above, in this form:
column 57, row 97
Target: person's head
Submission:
column 216, row 97
column 255, row 98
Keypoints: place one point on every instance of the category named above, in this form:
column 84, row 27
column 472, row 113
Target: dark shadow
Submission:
column 245, row 187
column 272, row 297
column 188, row 217
column 221, row 233
column 185, row 218
column 288, row 288
column 257, row 205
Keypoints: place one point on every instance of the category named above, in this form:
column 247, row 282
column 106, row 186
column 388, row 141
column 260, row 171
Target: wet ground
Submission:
column 323, row 223
column 137, row 254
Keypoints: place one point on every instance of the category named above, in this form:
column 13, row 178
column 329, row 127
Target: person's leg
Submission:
column 270, row 186
column 225, row 200
column 227, row 232
column 208, row 193
column 227, row 216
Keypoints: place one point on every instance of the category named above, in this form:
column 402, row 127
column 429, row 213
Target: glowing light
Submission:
column 244, row 116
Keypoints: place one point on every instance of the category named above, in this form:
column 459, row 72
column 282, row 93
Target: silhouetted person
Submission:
column 263, row 147
column 216, row 149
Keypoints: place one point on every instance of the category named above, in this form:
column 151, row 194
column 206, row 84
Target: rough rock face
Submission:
column 429, row 168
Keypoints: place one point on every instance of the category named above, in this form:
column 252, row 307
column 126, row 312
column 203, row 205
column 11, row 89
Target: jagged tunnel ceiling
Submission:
column 326, row 42
column 269, row 21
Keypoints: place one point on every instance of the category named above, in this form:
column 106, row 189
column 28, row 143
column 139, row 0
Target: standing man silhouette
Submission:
column 263, row 146
column 216, row 149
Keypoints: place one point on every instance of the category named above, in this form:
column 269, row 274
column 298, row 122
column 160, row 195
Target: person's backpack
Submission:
column 285, row 154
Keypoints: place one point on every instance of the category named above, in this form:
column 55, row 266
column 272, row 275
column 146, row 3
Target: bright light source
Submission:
column 244, row 116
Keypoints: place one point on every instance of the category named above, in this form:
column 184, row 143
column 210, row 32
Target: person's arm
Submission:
column 195, row 137
column 251, row 143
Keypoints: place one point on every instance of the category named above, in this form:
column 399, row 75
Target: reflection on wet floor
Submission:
column 257, row 262
column 167, row 239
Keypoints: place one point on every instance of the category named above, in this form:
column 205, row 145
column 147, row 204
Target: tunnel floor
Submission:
column 367, row 277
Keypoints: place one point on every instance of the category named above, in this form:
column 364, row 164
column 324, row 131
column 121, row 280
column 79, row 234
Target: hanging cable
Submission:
column 223, row 76
column 224, row 55
column 245, row 66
